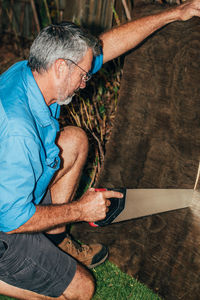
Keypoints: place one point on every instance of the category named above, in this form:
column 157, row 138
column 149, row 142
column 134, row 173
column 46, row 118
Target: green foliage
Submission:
column 42, row 14
column 93, row 109
column 48, row 12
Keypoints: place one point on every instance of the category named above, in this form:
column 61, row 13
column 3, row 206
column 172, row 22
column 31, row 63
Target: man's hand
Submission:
column 94, row 205
column 189, row 9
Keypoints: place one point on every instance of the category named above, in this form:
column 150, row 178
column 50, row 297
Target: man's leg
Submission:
column 81, row 288
column 73, row 143
column 31, row 267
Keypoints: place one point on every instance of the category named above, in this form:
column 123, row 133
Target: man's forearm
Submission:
column 50, row 216
column 125, row 37
column 91, row 207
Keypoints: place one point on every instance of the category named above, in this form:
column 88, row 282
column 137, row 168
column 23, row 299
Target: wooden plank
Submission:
column 1, row 10
column 90, row 17
column 21, row 18
column 107, row 14
column 71, row 9
column 35, row 15
column 17, row 18
column 87, row 12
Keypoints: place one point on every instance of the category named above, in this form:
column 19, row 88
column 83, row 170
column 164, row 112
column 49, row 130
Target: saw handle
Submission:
column 93, row 224
column 116, row 207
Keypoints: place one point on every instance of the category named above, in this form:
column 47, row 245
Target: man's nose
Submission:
column 83, row 84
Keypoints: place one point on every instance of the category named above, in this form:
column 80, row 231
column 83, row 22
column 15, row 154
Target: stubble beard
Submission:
column 65, row 101
column 61, row 100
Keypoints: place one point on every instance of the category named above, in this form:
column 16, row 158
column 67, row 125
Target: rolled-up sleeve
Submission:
column 20, row 168
column 97, row 63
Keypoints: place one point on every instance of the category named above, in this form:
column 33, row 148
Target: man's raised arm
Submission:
column 125, row 37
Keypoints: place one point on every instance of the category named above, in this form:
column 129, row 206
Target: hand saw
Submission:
column 138, row 203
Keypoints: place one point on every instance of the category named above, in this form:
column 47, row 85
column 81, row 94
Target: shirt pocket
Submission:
column 3, row 249
column 52, row 164
column 27, row 272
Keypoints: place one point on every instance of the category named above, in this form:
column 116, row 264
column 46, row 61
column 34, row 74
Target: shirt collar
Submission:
column 36, row 101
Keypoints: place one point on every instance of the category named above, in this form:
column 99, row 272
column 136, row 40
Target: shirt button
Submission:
column 55, row 163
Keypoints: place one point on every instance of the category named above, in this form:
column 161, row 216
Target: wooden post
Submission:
column 35, row 15
column 1, row 21
column 70, row 10
column 90, row 12
column 21, row 19
column 47, row 11
column 127, row 12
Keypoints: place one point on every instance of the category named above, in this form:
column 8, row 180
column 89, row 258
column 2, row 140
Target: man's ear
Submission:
column 60, row 68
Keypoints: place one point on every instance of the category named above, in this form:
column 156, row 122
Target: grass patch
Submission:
column 112, row 284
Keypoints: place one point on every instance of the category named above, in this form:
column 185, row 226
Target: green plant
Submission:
column 112, row 284
column 93, row 110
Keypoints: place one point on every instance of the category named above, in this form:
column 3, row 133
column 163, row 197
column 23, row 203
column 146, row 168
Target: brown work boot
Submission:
column 89, row 255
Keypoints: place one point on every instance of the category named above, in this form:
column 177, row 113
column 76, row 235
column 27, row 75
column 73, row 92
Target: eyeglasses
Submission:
column 85, row 77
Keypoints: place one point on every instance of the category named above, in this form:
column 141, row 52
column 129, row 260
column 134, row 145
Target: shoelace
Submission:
column 77, row 245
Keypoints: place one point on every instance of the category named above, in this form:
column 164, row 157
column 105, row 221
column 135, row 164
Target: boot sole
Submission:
column 98, row 263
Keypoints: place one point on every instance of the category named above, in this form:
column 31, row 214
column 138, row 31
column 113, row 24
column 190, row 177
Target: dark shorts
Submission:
column 32, row 262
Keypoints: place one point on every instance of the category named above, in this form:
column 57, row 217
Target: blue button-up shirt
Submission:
column 29, row 156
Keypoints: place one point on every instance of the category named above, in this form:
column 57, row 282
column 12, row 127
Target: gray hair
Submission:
column 65, row 40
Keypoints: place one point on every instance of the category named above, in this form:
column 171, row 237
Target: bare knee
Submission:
column 73, row 138
column 73, row 144
column 82, row 286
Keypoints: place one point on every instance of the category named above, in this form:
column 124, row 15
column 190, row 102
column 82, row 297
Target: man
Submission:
column 40, row 170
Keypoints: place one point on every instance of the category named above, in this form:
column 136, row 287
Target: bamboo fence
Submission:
column 22, row 17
